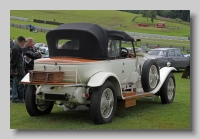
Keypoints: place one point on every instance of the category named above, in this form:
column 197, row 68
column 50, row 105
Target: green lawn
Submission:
column 41, row 37
column 38, row 37
column 32, row 23
column 167, row 42
column 102, row 17
column 147, row 114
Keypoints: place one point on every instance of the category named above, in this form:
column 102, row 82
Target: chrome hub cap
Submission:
column 153, row 76
column 170, row 88
column 107, row 102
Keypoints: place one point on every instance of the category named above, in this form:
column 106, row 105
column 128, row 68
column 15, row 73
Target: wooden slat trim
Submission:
column 35, row 83
column 139, row 96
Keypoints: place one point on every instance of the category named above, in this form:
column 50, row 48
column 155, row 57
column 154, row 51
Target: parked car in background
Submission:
column 173, row 56
column 46, row 55
column 38, row 45
column 43, row 49
column 145, row 48
column 130, row 49
column 137, row 49
column 186, row 55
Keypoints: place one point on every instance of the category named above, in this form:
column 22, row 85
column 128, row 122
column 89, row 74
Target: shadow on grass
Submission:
column 83, row 116
column 142, row 106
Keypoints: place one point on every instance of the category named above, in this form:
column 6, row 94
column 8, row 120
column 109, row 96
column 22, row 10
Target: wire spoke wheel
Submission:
column 106, row 105
column 103, row 103
column 150, row 75
column 170, row 88
column 153, row 76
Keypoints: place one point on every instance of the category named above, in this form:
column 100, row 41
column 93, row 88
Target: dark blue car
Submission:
column 173, row 56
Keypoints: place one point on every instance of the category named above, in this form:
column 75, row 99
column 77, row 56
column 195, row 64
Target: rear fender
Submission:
column 164, row 72
column 99, row 78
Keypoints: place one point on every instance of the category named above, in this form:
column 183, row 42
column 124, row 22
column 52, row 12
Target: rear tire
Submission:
column 103, row 103
column 30, row 101
column 168, row 89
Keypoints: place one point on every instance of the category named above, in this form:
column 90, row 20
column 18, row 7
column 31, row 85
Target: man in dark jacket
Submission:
column 30, row 54
column 17, row 70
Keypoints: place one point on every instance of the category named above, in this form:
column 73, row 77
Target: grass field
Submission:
column 41, row 37
column 147, row 114
column 38, row 37
column 105, row 18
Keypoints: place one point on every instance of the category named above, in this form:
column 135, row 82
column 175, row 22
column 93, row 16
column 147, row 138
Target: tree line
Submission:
column 183, row 15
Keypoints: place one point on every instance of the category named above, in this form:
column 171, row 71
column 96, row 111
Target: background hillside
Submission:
column 179, row 15
column 120, row 20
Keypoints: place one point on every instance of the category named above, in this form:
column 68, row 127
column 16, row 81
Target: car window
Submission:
column 114, row 48
column 158, row 52
column 171, row 53
column 70, row 44
column 178, row 53
column 162, row 53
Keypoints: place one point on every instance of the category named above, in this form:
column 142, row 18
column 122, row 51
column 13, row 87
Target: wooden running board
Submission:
column 138, row 95
column 126, row 103
column 130, row 98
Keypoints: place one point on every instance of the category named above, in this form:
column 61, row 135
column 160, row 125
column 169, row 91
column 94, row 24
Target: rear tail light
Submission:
column 86, row 95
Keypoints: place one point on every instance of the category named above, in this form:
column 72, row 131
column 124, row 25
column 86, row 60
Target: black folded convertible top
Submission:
column 93, row 39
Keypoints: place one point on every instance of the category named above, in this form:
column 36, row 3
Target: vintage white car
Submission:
column 91, row 68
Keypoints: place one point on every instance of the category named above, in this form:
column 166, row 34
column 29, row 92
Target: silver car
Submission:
column 43, row 49
column 38, row 45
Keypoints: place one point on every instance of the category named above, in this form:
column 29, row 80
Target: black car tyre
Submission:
column 168, row 89
column 35, row 109
column 150, row 75
column 103, row 103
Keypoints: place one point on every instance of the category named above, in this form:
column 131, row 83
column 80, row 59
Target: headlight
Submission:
column 168, row 64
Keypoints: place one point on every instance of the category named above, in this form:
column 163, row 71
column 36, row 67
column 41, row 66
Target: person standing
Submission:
column 17, row 70
column 11, row 43
column 30, row 54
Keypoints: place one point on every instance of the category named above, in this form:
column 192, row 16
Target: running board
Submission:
column 131, row 95
column 130, row 98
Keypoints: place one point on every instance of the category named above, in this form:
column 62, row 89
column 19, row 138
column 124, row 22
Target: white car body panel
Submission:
column 122, row 68
column 94, row 74
column 99, row 78
column 164, row 72
column 84, row 70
